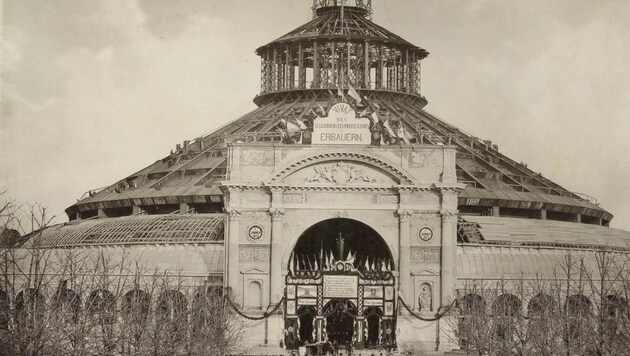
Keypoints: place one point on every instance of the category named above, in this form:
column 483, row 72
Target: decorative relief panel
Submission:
column 339, row 213
column 293, row 198
column 423, row 159
column 257, row 158
column 387, row 199
column 256, row 254
column 427, row 254
column 425, row 198
column 345, row 198
column 339, row 173
column 255, row 215
column 427, row 218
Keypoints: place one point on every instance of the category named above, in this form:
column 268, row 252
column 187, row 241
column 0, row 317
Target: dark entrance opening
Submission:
column 327, row 304
column 340, row 316
column 373, row 318
column 360, row 244
column 306, row 316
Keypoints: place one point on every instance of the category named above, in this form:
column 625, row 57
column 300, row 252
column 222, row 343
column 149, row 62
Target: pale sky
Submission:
column 93, row 91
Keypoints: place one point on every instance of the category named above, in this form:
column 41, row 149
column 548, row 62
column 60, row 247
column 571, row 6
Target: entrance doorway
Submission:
column 373, row 317
column 306, row 317
column 340, row 315
column 340, row 288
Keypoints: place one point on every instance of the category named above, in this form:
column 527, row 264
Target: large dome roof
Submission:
column 341, row 52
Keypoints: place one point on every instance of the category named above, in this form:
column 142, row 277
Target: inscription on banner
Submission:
column 341, row 286
column 341, row 127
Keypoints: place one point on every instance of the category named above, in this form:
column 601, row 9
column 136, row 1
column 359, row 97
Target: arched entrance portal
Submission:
column 340, row 279
column 341, row 240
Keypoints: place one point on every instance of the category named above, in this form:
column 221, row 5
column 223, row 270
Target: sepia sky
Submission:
column 93, row 91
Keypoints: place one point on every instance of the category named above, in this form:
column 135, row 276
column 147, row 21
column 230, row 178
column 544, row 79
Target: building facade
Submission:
column 341, row 201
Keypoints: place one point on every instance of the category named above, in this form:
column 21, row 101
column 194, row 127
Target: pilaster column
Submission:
column 404, row 255
column 449, row 257
column 233, row 271
column 448, row 274
column 275, row 285
column 275, row 270
column 233, row 208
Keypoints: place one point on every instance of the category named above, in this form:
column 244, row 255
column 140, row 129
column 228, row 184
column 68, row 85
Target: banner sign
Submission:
column 341, row 127
column 372, row 302
column 341, row 286
column 373, row 292
column 307, row 291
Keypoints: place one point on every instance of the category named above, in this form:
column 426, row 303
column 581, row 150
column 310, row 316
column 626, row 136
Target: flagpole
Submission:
column 321, row 255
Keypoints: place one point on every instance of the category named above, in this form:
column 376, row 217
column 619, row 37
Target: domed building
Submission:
column 342, row 199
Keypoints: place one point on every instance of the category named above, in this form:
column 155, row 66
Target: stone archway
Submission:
column 341, row 239
column 343, row 269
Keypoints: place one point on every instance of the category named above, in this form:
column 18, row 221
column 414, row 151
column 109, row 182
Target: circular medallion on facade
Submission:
column 425, row 234
column 255, row 232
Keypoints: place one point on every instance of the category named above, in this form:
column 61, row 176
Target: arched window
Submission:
column 542, row 305
column 4, row 310
column 544, row 321
column 66, row 303
column 505, row 309
column 136, row 306
column 101, row 304
column 253, row 296
column 615, row 311
column 578, row 308
column 472, row 321
column 171, row 316
column 171, row 307
column 208, row 309
column 615, row 307
column 29, row 304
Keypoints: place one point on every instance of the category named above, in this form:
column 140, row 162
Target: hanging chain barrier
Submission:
column 265, row 315
column 437, row 316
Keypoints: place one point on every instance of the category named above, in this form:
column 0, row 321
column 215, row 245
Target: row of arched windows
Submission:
column 510, row 305
column 171, row 305
column 506, row 308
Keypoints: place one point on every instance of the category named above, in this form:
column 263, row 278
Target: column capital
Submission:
column 234, row 213
column 404, row 214
column 448, row 214
column 276, row 214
